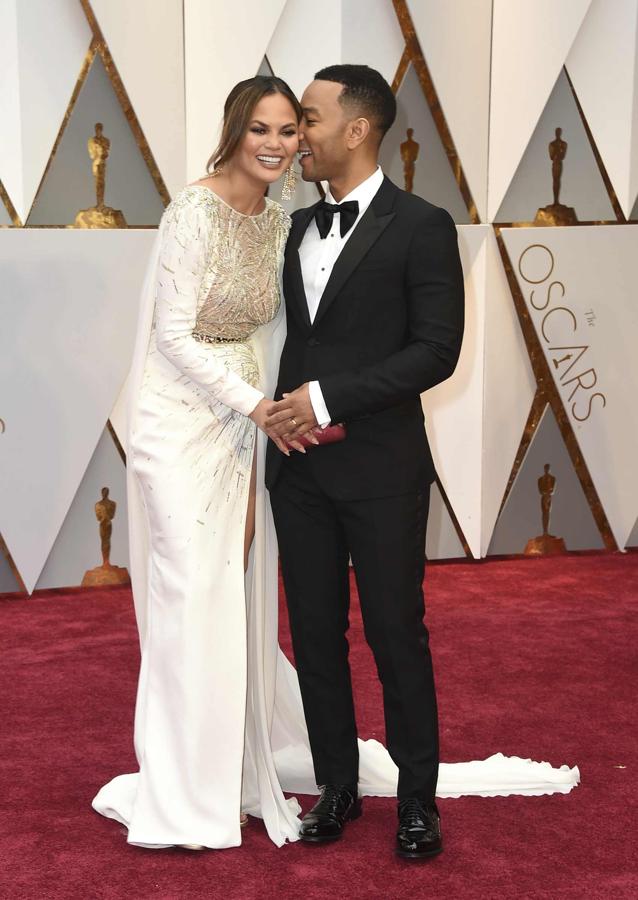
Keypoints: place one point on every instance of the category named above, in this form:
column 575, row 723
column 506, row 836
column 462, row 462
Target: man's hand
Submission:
column 292, row 417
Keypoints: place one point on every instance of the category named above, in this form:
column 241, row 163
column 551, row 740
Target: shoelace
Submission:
column 414, row 815
column 330, row 799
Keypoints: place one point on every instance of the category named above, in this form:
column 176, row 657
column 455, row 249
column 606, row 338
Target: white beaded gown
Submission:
column 213, row 283
column 219, row 725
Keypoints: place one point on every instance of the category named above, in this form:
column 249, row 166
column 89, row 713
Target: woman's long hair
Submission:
column 238, row 112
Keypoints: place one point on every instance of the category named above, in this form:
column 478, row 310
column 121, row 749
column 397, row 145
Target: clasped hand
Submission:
column 290, row 418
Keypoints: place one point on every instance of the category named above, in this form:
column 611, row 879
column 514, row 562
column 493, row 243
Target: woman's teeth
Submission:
column 270, row 161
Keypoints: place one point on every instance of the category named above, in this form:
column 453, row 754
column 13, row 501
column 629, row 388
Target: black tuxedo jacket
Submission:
column 388, row 327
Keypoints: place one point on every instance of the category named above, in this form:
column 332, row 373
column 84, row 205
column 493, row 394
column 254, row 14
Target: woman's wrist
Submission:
column 255, row 409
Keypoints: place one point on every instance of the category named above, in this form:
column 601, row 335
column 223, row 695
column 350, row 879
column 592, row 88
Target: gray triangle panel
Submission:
column 433, row 176
column 77, row 547
column 582, row 186
column 68, row 185
column 571, row 517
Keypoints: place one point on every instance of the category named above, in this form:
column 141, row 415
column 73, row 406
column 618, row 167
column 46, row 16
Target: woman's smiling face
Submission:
column 271, row 141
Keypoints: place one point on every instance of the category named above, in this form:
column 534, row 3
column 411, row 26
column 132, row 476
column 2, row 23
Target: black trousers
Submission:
column 385, row 537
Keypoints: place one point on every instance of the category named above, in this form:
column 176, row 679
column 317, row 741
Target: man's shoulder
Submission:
column 421, row 211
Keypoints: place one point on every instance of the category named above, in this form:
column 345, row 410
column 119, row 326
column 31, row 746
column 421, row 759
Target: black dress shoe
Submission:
column 419, row 834
column 337, row 805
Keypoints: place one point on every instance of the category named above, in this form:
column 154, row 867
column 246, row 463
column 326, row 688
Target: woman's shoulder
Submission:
column 194, row 200
column 278, row 214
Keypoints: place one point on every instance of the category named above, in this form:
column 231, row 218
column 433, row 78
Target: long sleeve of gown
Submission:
column 185, row 249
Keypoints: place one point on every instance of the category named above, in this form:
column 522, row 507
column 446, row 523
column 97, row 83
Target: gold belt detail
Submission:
column 213, row 339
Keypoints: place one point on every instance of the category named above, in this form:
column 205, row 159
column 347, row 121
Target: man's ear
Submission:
column 358, row 131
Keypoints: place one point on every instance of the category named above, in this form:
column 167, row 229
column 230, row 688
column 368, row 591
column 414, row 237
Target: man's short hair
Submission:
column 366, row 91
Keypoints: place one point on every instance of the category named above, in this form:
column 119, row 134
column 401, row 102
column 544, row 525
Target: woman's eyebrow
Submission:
column 265, row 125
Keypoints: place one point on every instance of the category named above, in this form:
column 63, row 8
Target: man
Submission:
column 374, row 295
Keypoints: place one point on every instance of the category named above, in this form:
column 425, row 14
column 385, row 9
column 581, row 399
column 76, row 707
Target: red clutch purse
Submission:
column 331, row 434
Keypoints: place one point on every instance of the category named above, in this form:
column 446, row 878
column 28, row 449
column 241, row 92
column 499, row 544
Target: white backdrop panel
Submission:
column 119, row 416
column 146, row 40
column 371, row 35
column 454, row 409
column 50, row 59
column 69, row 307
column 602, row 65
column 509, row 388
column 530, row 42
column 579, row 285
column 223, row 44
column 456, row 38
column 305, row 40
column 441, row 541
column 11, row 143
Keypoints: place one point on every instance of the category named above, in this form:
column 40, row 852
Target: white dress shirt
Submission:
column 318, row 257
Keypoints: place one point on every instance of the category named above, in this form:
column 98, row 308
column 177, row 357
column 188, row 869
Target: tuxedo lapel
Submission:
column 293, row 274
column 372, row 224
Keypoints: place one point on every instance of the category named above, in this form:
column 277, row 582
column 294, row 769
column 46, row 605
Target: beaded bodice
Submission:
column 239, row 288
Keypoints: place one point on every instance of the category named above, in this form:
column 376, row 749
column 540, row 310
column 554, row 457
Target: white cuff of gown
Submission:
column 318, row 404
column 242, row 397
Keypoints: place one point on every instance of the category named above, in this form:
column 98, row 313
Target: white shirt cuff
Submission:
column 318, row 404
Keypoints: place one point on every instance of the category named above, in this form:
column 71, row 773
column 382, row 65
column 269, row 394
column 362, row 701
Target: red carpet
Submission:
column 533, row 657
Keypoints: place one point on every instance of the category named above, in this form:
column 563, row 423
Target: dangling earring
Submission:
column 217, row 171
column 289, row 185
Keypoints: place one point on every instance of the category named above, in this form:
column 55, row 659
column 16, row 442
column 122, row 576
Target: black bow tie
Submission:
column 325, row 212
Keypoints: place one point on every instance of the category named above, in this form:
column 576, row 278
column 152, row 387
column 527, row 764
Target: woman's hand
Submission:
column 259, row 416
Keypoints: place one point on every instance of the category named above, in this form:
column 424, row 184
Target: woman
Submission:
column 211, row 303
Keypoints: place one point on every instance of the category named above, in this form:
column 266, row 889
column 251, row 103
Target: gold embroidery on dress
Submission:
column 240, row 287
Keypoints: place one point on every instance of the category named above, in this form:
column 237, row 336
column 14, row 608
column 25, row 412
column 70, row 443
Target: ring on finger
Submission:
column 294, row 422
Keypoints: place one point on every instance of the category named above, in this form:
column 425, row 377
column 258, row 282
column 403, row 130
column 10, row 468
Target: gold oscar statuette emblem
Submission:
column 545, row 544
column 556, row 213
column 409, row 153
column 106, row 573
column 99, row 216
